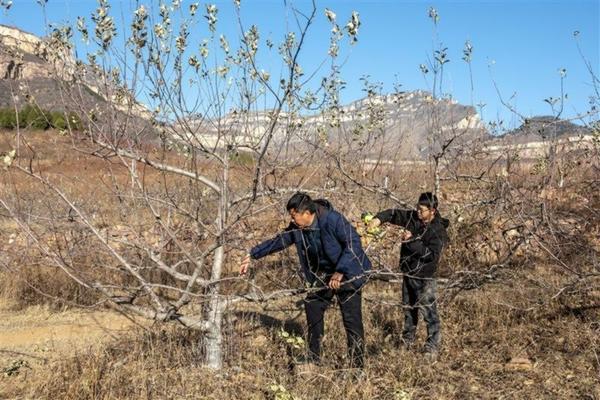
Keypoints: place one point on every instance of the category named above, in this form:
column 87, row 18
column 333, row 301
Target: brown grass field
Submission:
column 522, row 327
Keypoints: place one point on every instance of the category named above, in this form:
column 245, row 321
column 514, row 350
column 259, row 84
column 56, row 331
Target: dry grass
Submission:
column 483, row 330
column 528, row 308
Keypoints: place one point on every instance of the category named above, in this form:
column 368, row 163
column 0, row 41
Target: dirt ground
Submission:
column 31, row 339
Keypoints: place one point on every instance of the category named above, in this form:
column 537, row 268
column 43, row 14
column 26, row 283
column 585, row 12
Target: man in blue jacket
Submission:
column 333, row 262
column 423, row 239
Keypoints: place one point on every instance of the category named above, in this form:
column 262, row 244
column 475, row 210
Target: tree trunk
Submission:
column 436, row 174
column 213, row 341
column 214, row 336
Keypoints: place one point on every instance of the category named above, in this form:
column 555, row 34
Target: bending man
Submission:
column 332, row 259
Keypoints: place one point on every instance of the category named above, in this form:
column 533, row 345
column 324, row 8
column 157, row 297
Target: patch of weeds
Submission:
column 14, row 368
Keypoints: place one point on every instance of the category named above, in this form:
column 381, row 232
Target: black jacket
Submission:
column 341, row 245
column 421, row 254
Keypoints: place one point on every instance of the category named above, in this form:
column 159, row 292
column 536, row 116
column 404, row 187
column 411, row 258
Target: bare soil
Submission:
column 33, row 338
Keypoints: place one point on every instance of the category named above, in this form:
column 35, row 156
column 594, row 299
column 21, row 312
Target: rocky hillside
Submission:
column 407, row 125
column 414, row 124
column 398, row 126
column 36, row 71
column 28, row 75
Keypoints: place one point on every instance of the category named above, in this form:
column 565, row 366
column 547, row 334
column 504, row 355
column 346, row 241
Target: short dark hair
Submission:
column 428, row 199
column 301, row 202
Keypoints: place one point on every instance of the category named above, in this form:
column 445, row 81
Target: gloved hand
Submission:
column 372, row 224
column 367, row 217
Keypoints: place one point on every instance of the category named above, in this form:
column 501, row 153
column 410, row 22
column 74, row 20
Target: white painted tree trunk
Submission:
column 214, row 336
column 213, row 341
column 436, row 173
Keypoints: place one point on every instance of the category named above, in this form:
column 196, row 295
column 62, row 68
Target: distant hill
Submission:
column 544, row 128
column 416, row 124
column 399, row 126
column 538, row 136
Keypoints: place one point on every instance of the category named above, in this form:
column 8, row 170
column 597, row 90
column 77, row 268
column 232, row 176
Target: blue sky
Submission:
column 519, row 44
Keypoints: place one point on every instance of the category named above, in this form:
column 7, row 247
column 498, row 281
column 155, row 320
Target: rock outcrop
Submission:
column 39, row 70
column 400, row 126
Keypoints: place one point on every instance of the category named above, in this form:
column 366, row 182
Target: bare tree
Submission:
column 183, row 174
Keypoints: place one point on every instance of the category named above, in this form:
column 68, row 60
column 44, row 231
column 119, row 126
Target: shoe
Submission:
column 430, row 356
column 406, row 344
column 353, row 374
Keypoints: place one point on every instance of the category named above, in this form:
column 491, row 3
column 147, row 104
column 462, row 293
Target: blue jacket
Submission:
column 341, row 245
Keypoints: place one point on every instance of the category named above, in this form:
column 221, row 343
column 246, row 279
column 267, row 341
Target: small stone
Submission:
column 519, row 364
column 260, row 341
column 306, row 369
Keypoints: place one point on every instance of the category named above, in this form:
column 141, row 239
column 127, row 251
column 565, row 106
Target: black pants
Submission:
column 419, row 296
column 350, row 302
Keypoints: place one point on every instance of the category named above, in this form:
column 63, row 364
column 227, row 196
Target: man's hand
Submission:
column 336, row 280
column 245, row 265
column 373, row 223
column 405, row 235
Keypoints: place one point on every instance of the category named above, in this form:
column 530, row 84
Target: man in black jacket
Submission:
column 332, row 259
column 423, row 239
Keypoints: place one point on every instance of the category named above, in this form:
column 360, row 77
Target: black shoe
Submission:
column 407, row 344
column 353, row 374
column 430, row 353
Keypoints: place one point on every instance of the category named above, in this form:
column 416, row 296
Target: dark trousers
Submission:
column 350, row 302
column 419, row 296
